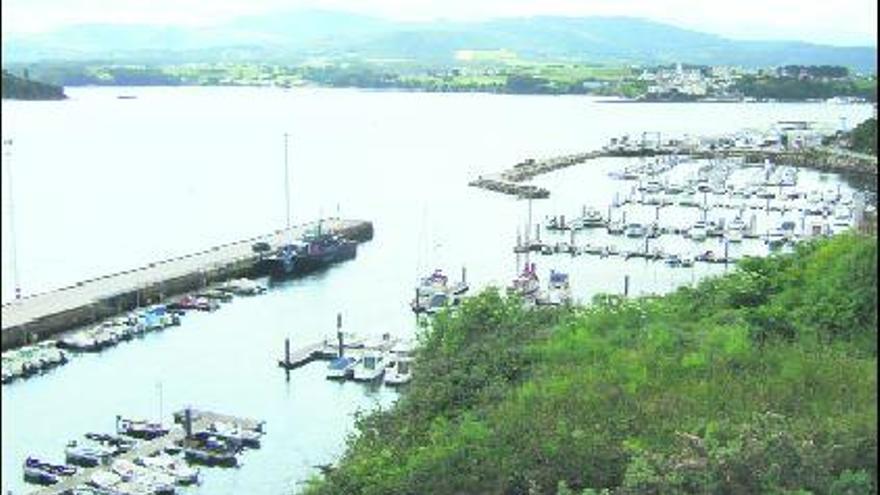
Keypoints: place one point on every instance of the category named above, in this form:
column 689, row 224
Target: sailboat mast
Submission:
column 7, row 143
column 286, row 188
column 528, row 230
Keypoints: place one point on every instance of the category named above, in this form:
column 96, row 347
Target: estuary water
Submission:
column 102, row 184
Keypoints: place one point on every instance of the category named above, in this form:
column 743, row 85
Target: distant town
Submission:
column 496, row 71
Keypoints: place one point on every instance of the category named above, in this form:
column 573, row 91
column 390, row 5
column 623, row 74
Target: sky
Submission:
column 837, row 22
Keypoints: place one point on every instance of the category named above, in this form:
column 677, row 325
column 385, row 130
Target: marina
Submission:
column 227, row 359
column 749, row 148
column 144, row 453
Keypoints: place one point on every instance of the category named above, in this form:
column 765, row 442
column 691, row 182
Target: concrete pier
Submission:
column 38, row 316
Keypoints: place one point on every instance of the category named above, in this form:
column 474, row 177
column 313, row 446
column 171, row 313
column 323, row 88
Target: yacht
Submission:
column 398, row 371
column 234, row 435
column 86, row 455
column 698, row 231
column 370, row 367
column 205, row 448
column 341, row 368
column 615, row 228
column 180, row 471
column 590, row 218
column 526, row 284
column 635, row 230
column 558, row 290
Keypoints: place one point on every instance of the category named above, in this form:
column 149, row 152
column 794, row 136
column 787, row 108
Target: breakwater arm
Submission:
column 829, row 159
column 38, row 316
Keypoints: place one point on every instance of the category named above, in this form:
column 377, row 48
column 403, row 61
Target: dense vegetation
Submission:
column 761, row 381
column 864, row 137
column 796, row 88
column 18, row 88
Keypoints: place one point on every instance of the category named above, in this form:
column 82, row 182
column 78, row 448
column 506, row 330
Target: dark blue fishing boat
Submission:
column 44, row 473
column 141, row 429
column 317, row 251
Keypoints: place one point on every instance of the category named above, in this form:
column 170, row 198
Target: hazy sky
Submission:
column 840, row 22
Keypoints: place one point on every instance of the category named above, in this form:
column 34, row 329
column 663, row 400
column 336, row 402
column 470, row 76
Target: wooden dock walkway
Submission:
column 200, row 421
column 38, row 316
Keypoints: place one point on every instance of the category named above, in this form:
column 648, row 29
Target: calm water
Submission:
column 103, row 184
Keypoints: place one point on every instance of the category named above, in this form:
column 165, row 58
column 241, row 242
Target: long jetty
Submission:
column 39, row 316
column 201, row 420
column 830, row 159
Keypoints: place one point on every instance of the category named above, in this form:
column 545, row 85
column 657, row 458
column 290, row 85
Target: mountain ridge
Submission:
column 296, row 34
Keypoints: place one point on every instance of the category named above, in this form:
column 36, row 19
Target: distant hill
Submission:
column 294, row 35
column 18, row 88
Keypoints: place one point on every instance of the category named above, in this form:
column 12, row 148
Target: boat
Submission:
column 434, row 292
column 370, row 367
column 317, row 250
column 140, row 429
column 398, row 371
column 80, row 341
column 119, row 444
column 775, row 239
column 44, row 473
column 182, row 474
column 86, row 455
column 142, row 479
column 687, row 262
column 673, row 260
column 698, row 231
column 204, row 448
column 557, row 223
column 558, row 290
column 714, row 229
column 126, row 97
column 234, row 435
column 243, row 286
column 193, row 302
column 615, row 228
column 651, row 187
column 688, row 198
column 590, row 218
column 526, row 283
column 635, row 230
column 341, row 368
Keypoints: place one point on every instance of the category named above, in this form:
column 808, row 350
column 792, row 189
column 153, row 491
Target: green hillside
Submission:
column 761, row 381
column 18, row 88
column 864, row 137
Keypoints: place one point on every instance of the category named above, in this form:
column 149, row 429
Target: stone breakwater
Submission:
column 824, row 158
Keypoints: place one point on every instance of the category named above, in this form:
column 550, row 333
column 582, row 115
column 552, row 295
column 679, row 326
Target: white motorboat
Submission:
column 341, row 368
column 398, row 371
column 558, row 290
column 180, row 471
column 698, row 231
column 370, row 367
column 635, row 230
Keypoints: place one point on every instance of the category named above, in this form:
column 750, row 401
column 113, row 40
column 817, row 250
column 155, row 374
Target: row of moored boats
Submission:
column 30, row 360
